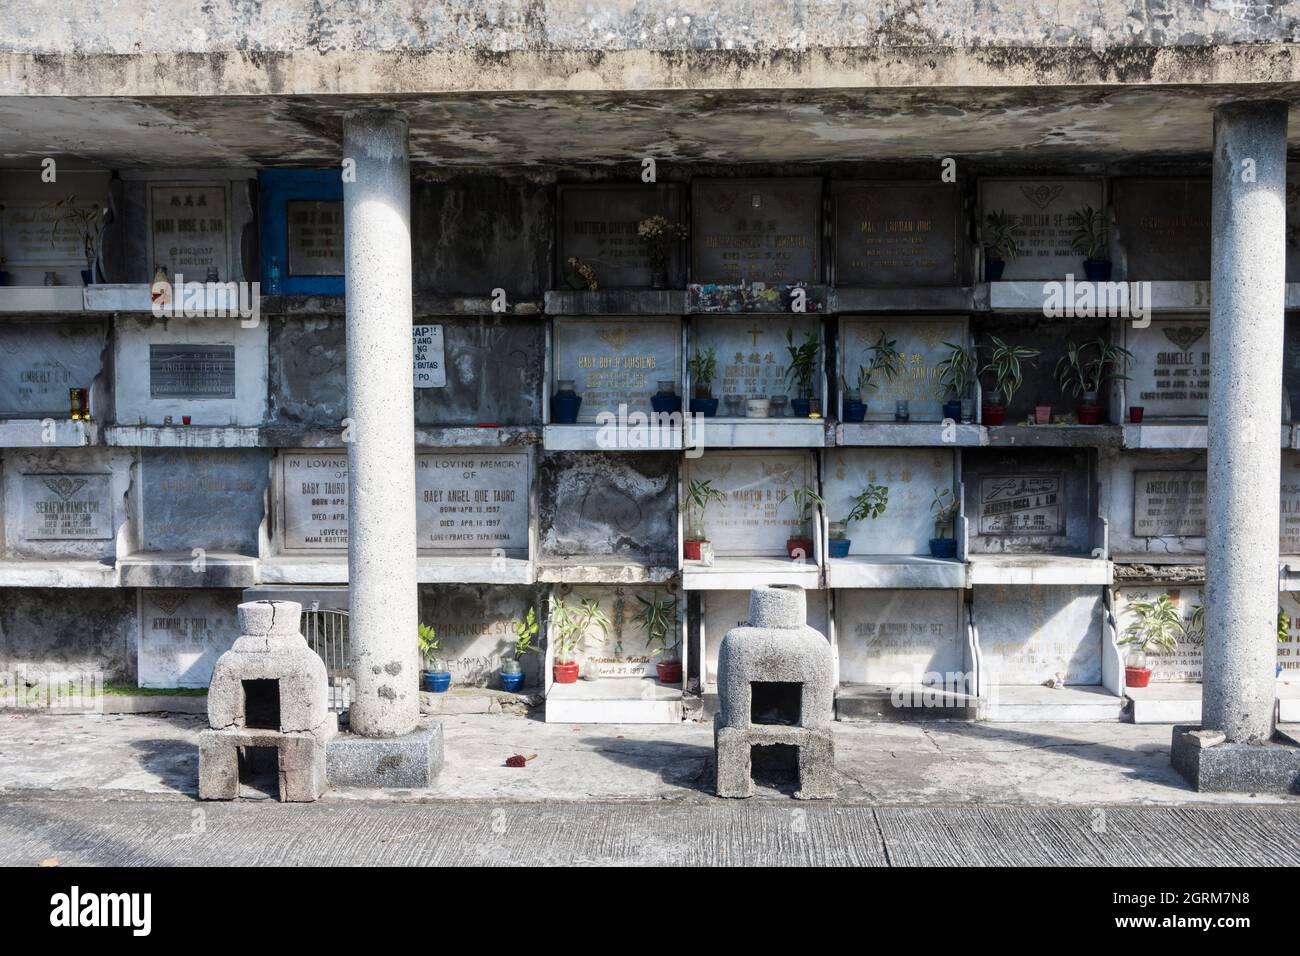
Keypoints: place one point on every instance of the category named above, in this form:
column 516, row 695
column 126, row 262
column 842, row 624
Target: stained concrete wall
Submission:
column 607, row 505
column 493, row 362
column 474, row 234
column 1029, row 635
column 42, row 630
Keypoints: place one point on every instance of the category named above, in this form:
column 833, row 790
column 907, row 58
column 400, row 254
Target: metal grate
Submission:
column 327, row 634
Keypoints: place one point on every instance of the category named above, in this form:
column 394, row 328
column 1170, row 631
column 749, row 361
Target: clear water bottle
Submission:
column 273, row 277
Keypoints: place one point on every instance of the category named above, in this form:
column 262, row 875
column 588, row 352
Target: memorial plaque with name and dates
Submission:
column 894, row 637
column 897, row 235
column 66, row 507
column 1170, row 371
column 314, row 496
column 598, row 224
column 1042, row 207
column 921, row 343
column 1169, row 503
column 1164, row 227
column 189, row 230
column 314, row 237
column 756, row 230
column 29, row 237
column 758, row 515
column 1021, row 504
column 753, row 354
column 615, row 363
column 191, row 371
column 472, row 501
column 39, row 362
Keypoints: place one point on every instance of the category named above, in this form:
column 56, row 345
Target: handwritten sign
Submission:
column 430, row 358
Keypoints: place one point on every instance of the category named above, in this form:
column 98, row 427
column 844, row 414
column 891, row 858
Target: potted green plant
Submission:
column 1089, row 239
column 1155, row 631
column 806, row 503
column 659, row 236
column 1084, row 368
column 957, row 374
column 869, row 504
column 703, row 366
column 85, row 220
column 1007, row 365
column 944, row 507
column 1000, row 243
column 884, row 359
column 435, row 677
column 659, row 621
column 803, row 365
column 1283, row 633
column 568, row 626
column 512, row 668
column 699, row 494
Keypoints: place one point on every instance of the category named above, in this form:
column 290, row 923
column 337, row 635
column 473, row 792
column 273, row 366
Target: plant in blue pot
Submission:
column 1090, row 240
column 565, row 403
column 1000, row 243
column 800, row 372
column 869, row 504
column 666, row 401
column 703, row 366
column 957, row 374
column 512, row 668
column 84, row 218
column 944, row 507
column 884, row 360
column 437, row 679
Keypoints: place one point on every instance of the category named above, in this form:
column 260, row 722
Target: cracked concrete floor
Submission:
column 934, row 763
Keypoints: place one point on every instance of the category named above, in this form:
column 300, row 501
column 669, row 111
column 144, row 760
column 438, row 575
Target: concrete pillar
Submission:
column 382, row 600
column 1248, row 275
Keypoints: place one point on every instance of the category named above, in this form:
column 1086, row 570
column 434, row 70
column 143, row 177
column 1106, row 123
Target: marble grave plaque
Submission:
column 1170, row 371
column 207, row 498
column 314, row 235
column 1021, row 504
column 40, row 362
column 598, row 224
column 894, row 637
column 1164, row 227
column 1043, row 208
column 899, row 235
column 758, row 515
column 756, row 230
column 753, row 359
column 314, row 501
column 1169, row 503
column 472, row 501
column 617, row 363
column 189, row 230
column 191, row 371
column 921, row 343
column 67, row 507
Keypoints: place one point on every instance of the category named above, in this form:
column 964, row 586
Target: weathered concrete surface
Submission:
column 338, row 47
column 915, row 763
column 43, row 631
column 130, row 833
column 1241, row 543
column 382, row 599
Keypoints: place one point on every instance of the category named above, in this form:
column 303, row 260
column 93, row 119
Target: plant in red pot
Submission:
column 1007, row 364
column 806, row 502
column 699, row 494
column 568, row 627
column 1155, row 630
column 1082, row 371
column 659, row 620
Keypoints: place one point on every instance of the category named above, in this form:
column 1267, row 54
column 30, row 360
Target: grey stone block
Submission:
column 411, row 760
column 777, row 607
column 1213, row 765
column 300, row 761
column 816, row 748
column 266, row 618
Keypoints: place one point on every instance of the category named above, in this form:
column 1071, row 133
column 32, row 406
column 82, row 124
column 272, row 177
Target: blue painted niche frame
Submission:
column 279, row 187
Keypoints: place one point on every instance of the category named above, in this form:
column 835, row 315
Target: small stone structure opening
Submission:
column 259, row 769
column 775, row 702
column 776, row 693
column 261, row 704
